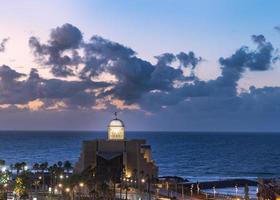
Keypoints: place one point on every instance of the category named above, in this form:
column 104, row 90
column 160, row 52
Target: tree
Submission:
column 2, row 162
column 54, row 172
column 43, row 167
column 22, row 184
column 59, row 164
column 18, row 167
column 23, row 165
column 19, row 187
column 246, row 192
column 67, row 166
column 36, row 167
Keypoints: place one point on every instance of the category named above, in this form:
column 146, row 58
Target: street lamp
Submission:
column 81, row 184
column 142, row 187
column 183, row 192
column 236, row 190
column 214, row 191
column 198, row 188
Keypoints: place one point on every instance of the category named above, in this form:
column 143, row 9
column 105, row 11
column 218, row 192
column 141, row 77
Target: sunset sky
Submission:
column 182, row 65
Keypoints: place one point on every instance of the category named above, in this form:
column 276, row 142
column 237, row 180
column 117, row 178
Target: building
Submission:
column 116, row 157
column 269, row 189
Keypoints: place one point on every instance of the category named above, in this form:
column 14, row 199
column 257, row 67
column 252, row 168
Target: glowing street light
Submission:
column 143, row 180
column 60, row 185
column 67, row 190
column 81, row 184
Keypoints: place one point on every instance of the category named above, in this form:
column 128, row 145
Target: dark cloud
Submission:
column 166, row 59
column 3, row 44
column 188, row 59
column 234, row 66
column 141, row 82
column 73, row 93
column 185, row 59
column 222, row 88
column 162, row 89
column 135, row 76
column 60, row 52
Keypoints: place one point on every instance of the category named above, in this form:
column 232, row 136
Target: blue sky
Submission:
column 211, row 29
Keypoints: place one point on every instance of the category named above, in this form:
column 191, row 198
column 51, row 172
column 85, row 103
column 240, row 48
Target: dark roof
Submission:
column 109, row 155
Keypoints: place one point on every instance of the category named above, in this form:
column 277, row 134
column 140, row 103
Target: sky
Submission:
column 172, row 65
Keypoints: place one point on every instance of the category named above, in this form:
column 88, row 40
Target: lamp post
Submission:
column 143, row 181
column 157, row 193
column 167, row 187
column 121, row 181
column 67, row 191
column 183, row 193
column 236, row 190
column 81, row 186
column 126, row 188
column 149, row 187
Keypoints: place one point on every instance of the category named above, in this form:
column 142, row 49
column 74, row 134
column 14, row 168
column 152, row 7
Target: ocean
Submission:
column 195, row 156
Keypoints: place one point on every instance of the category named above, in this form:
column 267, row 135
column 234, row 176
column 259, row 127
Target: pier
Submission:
column 221, row 183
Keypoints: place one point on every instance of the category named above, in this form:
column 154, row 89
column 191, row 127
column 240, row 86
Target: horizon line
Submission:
column 152, row 131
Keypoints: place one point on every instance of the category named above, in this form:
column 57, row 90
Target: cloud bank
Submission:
column 99, row 76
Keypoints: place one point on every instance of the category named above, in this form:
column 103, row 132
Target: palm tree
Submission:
column 67, row 166
column 121, row 181
column 60, row 164
column 149, row 186
column 43, row 167
column 54, row 173
column 36, row 167
column 23, row 165
column 17, row 167
column 246, row 192
column 2, row 162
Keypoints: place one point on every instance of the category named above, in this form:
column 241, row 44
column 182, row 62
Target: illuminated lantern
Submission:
column 116, row 129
